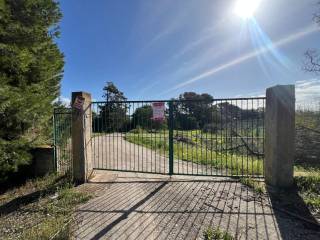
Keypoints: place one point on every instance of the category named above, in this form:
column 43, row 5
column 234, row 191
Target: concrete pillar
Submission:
column 279, row 136
column 43, row 162
column 81, row 136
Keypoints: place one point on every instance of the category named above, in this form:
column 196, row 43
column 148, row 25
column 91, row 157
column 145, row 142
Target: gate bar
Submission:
column 170, row 138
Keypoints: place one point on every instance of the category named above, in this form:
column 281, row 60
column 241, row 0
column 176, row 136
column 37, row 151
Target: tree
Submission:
column 112, row 115
column 312, row 56
column 142, row 117
column 31, row 67
column 197, row 107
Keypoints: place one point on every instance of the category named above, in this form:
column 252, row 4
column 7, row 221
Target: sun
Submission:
column 246, row 8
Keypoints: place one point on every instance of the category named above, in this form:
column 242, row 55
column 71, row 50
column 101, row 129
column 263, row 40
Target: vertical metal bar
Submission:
column 188, row 130
column 54, row 141
column 226, row 138
column 236, row 135
column 134, row 136
column 143, row 138
column 247, row 136
column 263, row 134
column 120, row 122
column 252, row 130
column 241, row 134
column 206, row 142
column 103, row 130
column 231, row 136
column 216, row 137
column 170, row 138
column 128, row 130
column 221, row 138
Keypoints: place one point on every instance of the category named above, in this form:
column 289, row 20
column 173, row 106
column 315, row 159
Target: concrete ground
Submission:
column 147, row 206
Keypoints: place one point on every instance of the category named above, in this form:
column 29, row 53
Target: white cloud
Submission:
column 308, row 94
column 65, row 101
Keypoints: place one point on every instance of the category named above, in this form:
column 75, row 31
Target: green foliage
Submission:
column 197, row 106
column 216, row 234
column 137, row 130
column 142, row 117
column 112, row 116
column 191, row 151
column 210, row 128
column 12, row 155
column 255, row 185
column 308, row 185
column 31, row 66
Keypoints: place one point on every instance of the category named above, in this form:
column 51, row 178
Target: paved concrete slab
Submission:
column 148, row 206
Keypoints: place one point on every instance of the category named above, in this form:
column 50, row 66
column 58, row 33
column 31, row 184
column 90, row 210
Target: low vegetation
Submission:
column 256, row 185
column 201, row 148
column 216, row 234
column 40, row 209
column 308, row 185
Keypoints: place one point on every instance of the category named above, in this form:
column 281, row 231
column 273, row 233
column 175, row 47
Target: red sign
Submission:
column 158, row 111
column 78, row 102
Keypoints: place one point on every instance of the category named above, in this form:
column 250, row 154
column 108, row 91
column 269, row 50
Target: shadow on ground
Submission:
column 182, row 208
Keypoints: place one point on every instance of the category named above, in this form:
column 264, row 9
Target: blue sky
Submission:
column 158, row 49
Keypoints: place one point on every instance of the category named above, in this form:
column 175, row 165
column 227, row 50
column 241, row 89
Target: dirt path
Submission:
column 148, row 206
column 113, row 152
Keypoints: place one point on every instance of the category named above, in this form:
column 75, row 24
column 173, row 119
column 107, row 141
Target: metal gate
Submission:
column 223, row 137
column 62, row 140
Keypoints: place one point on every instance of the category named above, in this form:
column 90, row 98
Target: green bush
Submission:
column 216, row 234
column 12, row 155
column 210, row 128
column 137, row 130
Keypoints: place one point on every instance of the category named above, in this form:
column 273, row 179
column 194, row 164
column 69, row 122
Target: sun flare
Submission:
column 246, row 8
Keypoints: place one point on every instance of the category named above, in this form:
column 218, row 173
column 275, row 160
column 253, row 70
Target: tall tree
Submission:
column 31, row 67
column 112, row 115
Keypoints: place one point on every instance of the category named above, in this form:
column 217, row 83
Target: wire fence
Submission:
column 308, row 133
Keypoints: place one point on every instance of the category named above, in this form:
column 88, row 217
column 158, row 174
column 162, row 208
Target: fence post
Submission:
column 280, row 136
column 54, row 141
column 81, row 136
column 170, row 138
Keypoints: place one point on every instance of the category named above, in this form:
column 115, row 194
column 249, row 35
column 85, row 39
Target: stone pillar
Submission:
column 81, row 136
column 279, row 136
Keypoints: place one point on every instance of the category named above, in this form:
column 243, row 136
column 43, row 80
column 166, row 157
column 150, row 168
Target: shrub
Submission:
column 216, row 234
column 137, row 130
column 210, row 128
column 12, row 155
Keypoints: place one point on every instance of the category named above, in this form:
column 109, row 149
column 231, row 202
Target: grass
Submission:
column 256, row 186
column 198, row 152
column 216, row 234
column 307, row 181
column 46, row 216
